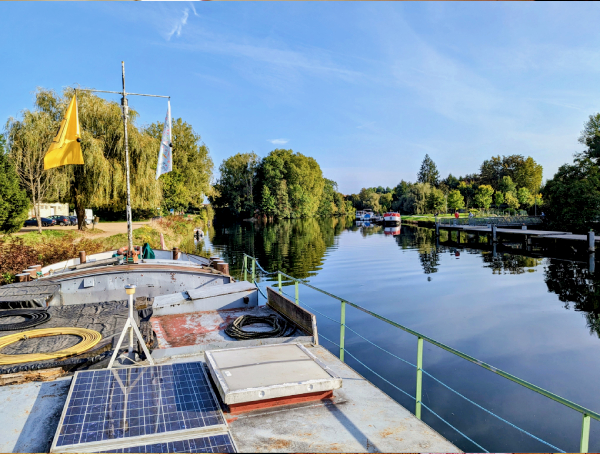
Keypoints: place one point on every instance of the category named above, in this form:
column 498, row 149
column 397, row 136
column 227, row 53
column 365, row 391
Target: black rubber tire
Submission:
column 35, row 316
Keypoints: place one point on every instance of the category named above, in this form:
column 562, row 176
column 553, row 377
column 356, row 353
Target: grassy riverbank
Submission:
column 427, row 218
column 18, row 252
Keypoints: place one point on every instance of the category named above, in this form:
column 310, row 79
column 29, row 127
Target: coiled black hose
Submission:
column 35, row 317
column 281, row 327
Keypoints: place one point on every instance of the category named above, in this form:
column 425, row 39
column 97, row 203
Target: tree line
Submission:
column 283, row 184
column 508, row 182
column 100, row 183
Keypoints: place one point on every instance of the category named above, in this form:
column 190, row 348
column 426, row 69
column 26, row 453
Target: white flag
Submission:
column 165, row 155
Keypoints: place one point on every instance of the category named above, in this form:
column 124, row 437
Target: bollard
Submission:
column 82, row 257
column 175, row 253
column 591, row 241
column 223, row 267
column 23, row 277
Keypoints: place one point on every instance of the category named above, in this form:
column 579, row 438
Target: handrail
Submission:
column 489, row 367
column 586, row 412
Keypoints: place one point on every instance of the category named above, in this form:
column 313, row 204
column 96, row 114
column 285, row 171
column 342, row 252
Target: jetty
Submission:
column 520, row 232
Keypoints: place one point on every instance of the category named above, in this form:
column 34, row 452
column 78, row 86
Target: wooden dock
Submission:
column 525, row 235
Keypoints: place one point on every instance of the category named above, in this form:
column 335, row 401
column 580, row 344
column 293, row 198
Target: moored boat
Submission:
column 392, row 216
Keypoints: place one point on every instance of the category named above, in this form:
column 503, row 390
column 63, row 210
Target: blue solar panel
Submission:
column 213, row 443
column 140, row 401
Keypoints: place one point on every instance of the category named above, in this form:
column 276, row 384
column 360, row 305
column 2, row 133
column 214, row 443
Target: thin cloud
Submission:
column 176, row 30
column 193, row 9
column 278, row 141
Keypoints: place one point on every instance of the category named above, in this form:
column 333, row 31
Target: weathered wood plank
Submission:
column 296, row 314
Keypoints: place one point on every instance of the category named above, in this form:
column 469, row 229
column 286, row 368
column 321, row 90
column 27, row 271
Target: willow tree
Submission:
column 189, row 181
column 28, row 140
column 101, row 181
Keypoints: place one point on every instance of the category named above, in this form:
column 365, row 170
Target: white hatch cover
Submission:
column 251, row 374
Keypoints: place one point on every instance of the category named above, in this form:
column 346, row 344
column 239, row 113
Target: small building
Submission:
column 50, row 209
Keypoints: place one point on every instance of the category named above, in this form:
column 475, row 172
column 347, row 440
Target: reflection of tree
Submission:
column 296, row 247
column 509, row 263
column 422, row 239
column 573, row 283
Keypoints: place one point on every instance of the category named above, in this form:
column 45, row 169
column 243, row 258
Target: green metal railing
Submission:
column 586, row 413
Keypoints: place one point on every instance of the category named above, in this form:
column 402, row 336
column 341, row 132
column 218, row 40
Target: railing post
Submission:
column 419, row 377
column 279, row 279
column 253, row 269
column 296, row 288
column 245, row 267
column 342, row 330
column 585, row 434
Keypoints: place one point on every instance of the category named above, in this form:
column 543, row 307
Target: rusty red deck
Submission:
column 199, row 328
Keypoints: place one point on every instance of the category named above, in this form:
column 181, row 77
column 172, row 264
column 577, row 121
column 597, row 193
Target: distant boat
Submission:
column 392, row 216
column 365, row 215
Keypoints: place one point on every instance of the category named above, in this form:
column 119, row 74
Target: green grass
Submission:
column 31, row 238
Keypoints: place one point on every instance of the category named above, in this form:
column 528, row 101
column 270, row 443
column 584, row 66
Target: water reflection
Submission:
column 573, row 283
column 296, row 247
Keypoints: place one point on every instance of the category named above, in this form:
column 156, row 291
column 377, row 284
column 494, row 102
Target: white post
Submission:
column 125, row 115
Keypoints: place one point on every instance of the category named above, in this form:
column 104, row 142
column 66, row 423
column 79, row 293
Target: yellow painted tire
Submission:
column 89, row 338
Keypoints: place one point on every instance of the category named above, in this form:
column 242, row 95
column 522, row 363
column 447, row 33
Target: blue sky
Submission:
column 365, row 88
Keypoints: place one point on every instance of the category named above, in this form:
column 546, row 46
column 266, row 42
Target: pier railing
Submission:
column 493, row 220
column 253, row 269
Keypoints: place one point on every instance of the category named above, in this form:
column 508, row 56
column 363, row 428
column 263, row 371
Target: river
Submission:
column 536, row 318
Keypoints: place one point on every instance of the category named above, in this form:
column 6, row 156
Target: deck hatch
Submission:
column 138, row 406
column 254, row 374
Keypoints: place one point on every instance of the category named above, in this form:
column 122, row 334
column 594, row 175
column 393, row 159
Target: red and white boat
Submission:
column 392, row 216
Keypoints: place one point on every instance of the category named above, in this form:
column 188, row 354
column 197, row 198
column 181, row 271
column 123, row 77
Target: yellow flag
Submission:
column 66, row 147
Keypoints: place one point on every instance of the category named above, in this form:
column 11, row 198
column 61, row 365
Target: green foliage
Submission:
column 590, row 136
column 456, row 200
column 511, row 200
column 499, row 198
column 385, row 201
column 236, row 186
column 268, row 202
column 436, row 201
column 523, row 172
column 467, row 190
column 14, row 203
column 188, row 183
column 451, row 182
column 428, row 172
column 332, row 202
column 483, row 196
column 573, row 195
column 525, row 198
column 507, row 185
column 302, row 180
column 28, row 140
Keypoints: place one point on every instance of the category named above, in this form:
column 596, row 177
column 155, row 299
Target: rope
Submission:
column 381, row 348
column 89, row 338
column 281, row 327
column 443, row 420
column 491, row 413
column 34, row 316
